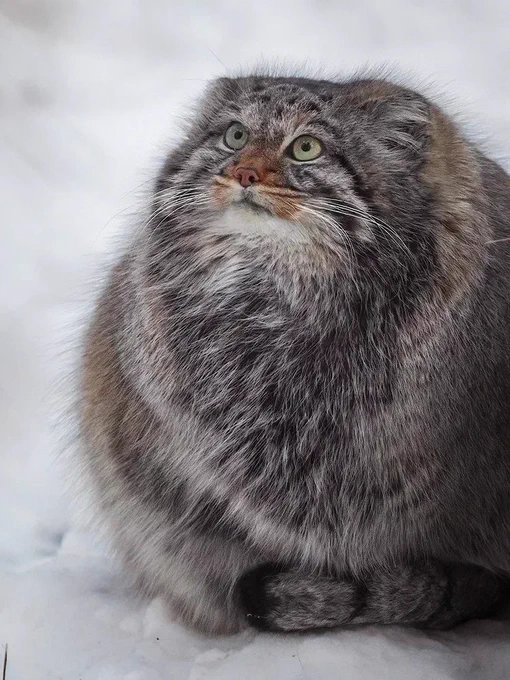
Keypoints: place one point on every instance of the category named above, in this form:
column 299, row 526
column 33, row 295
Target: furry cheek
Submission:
column 222, row 194
column 285, row 208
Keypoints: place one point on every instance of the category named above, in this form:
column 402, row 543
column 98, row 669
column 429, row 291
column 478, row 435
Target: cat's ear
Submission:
column 397, row 117
column 219, row 93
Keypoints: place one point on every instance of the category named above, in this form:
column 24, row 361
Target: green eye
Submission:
column 306, row 148
column 236, row 136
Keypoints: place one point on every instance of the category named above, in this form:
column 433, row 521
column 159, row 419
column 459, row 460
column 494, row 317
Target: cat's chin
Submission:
column 250, row 220
column 249, row 203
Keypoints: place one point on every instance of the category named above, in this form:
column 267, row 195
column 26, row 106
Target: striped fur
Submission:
column 296, row 398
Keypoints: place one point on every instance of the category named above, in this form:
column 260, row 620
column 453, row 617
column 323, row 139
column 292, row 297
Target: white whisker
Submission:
column 338, row 231
column 341, row 208
column 498, row 240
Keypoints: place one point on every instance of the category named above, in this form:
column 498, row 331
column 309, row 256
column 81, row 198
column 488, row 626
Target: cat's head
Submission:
column 366, row 169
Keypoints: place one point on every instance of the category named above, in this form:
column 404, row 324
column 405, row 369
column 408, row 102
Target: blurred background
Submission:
column 90, row 94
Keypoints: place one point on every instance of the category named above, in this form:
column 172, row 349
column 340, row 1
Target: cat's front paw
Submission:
column 275, row 599
column 257, row 599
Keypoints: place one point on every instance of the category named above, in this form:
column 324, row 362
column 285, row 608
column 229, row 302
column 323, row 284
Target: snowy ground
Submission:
column 90, row 91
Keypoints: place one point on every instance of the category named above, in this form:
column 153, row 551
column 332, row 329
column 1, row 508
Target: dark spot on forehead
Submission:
column 275, row 105
column 283, row 95
column 313, row 107
column 326, row 97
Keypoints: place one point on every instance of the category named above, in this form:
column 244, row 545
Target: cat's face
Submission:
column 365, row 172
column 298, row 159
column 277, row 153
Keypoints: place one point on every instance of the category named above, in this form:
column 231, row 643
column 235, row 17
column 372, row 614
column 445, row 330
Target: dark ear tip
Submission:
column 255, row 601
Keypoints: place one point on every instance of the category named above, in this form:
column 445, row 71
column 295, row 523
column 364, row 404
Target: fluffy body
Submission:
column 296, row 396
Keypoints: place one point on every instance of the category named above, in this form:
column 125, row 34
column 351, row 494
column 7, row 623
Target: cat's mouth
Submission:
column 249, row 199
column 277, row 201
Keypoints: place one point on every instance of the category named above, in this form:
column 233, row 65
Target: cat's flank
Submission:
column 296, row 385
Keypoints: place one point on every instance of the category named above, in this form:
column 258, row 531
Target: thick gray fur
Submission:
column 304, row 422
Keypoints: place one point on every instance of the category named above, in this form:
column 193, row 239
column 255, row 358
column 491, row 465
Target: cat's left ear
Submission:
column 398, row 118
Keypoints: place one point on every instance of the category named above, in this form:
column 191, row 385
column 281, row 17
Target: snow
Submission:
column 90, row 94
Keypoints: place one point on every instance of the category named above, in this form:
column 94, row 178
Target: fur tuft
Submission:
column 312, row 370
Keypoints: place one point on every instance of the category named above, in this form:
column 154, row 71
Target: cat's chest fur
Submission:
column 287, row 391
column 261, row 339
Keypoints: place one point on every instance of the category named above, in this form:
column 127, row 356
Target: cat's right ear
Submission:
column 219, row 93
column 223, row 86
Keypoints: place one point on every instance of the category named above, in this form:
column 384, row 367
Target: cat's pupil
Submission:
column 306, row 146
column 238, row 134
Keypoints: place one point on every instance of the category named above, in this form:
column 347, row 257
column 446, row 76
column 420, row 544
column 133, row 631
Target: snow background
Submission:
column 90, row 92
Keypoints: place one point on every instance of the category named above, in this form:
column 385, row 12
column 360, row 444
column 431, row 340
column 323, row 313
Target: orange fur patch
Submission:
column 221, row 194
column 452, row 171
column 266, row 162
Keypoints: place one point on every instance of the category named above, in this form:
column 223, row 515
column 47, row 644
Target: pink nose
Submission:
column 246, row 176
